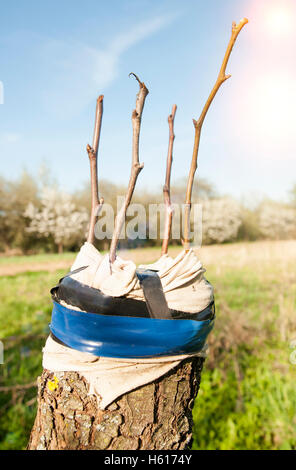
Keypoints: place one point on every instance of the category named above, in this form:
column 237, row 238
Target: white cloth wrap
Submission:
column 185, row 289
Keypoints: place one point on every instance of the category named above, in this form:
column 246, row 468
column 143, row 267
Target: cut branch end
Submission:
column 136, row 167
column 96, row 203
column 141, row 84
column 222, row 77
column 166, row 187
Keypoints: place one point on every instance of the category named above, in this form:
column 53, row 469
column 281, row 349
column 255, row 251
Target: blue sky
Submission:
column 58, row 56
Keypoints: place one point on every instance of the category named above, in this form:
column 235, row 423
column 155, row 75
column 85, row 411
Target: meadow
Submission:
column 247, row 397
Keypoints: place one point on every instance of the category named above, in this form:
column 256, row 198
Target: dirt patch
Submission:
column 49, row 266
column 256, row 255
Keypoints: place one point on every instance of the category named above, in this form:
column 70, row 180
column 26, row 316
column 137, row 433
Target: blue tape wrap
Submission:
column 127, row 337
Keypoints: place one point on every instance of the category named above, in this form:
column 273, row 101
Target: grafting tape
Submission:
column 127, row 337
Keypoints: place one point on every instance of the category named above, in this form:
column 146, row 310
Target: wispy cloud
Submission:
column 124, row 41
column 78, row 72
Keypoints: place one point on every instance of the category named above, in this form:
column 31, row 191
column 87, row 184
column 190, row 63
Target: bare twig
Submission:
column 136, row 166
column 17, row 387
column 167, row 185
column 198, row 125
column 31, row 402
column 18, row 393
column 96, row 203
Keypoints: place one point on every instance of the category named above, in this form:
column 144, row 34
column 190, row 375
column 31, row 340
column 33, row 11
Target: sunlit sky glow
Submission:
column 56, row 57
column 279, row 19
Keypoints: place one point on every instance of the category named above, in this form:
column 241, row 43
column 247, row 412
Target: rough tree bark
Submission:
column 155, row 416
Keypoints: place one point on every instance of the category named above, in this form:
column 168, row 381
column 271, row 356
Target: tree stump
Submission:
column 156, row 416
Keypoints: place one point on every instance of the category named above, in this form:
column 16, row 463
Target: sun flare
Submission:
column 279, row 20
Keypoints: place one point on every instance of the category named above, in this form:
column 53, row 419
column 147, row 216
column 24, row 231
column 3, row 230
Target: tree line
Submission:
column 37, row 216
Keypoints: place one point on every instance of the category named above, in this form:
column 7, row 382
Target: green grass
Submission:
column 247, row 397
column 257, row 413
column 41, row 258
column 25, row 310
